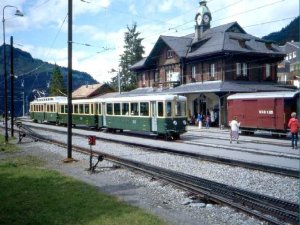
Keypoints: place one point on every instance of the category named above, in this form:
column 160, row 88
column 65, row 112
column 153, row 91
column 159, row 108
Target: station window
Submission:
column 268, row 70
column 144, row 108
column 76, row 109
column 109, row 109
column 169, row 109
column 125, row 108
column 212, row 70
column 180, row 109
column 86, row 109
column 160, row 109
column 134, row 109
column 117, row 109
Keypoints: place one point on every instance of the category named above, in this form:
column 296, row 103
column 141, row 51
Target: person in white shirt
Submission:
column 234, row 129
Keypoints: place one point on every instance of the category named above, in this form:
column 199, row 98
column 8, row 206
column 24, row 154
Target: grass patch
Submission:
column 7, row 147
column 31, row 194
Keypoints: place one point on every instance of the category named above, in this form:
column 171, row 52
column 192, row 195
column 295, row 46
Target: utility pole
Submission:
column 70, row 40
column 12, row 78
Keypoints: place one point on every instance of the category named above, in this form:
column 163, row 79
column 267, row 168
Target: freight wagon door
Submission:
column 249, row 115
column 153, row 117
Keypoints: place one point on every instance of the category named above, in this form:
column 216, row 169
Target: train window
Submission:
column 76, row 108
column 62, row 109
column 92, row 109
column 180, row 109
column 117, row 109
column 66, row 108
column 169, row 109
column 125, row 108
column 47, row 108
column 86, row 109
column 81, row 108
column 160, row 109
column 99, row 109
column 109, row 108
column 144, row 108
column 134, row 109
column 51, row 108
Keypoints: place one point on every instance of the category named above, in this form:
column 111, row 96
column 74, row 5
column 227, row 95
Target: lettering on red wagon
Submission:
column 266, row 112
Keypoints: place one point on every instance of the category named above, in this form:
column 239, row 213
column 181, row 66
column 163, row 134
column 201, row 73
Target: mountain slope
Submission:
column 288, row 33
column 35, row 75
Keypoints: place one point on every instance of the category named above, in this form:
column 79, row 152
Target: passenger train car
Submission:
column 159, row 114
column 263, row 110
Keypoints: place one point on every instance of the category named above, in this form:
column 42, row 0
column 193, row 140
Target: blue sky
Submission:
column 102, row 23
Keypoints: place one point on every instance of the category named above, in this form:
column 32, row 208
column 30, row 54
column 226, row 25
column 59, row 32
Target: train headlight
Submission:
column 184, row 122
column 175, row 122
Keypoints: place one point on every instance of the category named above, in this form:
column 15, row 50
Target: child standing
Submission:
column 234, row 129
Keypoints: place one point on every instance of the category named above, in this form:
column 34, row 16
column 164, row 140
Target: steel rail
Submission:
column 231, row 162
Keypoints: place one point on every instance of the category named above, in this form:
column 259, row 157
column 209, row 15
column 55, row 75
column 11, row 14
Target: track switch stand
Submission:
column 91, row 142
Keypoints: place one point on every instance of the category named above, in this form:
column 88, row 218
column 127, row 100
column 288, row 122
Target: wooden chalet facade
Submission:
column 209, row 65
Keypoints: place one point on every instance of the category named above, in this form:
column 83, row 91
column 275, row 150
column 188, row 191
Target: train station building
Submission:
column 209, row 65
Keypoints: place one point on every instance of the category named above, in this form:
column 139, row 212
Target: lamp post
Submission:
column 17, row 13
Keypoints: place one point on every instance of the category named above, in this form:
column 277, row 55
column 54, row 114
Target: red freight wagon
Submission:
column 262, row 110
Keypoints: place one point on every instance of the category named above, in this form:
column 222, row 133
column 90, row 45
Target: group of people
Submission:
column 293, row 124
column 202, row 118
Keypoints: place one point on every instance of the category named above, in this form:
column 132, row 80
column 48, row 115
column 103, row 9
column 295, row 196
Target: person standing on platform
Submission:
column 234, row 130
column 294, row 126
column 207, row 121
column 199, row 120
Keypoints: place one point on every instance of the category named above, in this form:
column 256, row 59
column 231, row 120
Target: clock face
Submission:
column 199, row 19
column 206, row 18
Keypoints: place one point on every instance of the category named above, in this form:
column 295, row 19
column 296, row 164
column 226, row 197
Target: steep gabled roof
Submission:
column 229, row 37
column 179, row 45
column 86, row 91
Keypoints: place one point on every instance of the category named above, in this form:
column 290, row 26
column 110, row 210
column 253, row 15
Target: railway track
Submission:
column 228, row 161
column 272, row 210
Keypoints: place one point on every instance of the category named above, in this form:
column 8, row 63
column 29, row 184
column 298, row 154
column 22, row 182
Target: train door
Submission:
column 153, row 117
column 104, row 114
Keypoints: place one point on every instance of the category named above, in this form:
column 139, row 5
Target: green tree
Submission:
column 57, row 86
column 133, row 52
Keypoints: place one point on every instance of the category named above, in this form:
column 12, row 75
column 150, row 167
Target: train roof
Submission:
column 56, row 99
column 255, row 95
column 145, row 98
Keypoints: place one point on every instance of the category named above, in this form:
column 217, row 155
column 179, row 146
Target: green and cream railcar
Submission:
column 84, row 112
column 159, row 114
column 45, row 109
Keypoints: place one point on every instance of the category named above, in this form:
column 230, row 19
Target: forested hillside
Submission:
column 288, row 33
column 32, row 76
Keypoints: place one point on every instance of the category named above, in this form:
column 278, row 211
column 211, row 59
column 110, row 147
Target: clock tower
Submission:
column 202, row 19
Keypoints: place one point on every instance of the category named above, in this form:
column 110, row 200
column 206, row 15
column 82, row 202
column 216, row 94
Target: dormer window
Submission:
column 269, row 45
column 242, row 43
column 170, row 54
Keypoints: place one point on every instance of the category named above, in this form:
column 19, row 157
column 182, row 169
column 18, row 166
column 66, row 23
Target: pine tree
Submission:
column 133, row 52
column 57, row 86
